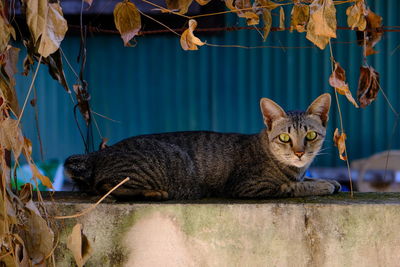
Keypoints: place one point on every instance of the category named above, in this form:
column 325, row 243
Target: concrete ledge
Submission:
column 318, row 231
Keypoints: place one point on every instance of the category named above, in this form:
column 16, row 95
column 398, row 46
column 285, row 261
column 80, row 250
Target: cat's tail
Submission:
column 79, row 169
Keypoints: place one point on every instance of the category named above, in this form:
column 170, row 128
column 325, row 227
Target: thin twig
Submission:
column 393, row 129
column 69, row 64
column 30, row 90
column 162, row 24
column 103, row 116
column 94, row 205
column 256, row 47
column 97, row 126
column 165, row 9
column 388, row 102
column 37, row 123
column 341, row 122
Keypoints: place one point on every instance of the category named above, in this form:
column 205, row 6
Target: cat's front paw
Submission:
column 338, row 187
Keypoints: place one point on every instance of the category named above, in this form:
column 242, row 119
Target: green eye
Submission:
column 311, row 136
column 284, row 137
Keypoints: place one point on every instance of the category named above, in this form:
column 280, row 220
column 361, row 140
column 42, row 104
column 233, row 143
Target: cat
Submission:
column 199, row 164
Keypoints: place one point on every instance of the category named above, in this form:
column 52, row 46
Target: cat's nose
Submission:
column 299, row 153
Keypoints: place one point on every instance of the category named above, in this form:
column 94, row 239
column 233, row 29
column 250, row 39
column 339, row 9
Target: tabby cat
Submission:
column 193, row 165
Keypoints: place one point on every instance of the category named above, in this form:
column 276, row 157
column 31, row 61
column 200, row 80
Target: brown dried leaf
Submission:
column 7, row 80
column 281, row 19
column 322, row 24
column 6, row 30
column 300, row 17
column 188, row 40
column 265, row 6
column 374, row 34
column 340, row 141
column 46, row 24
column 21, row 257
column 83, row 98
column 267, row 18
column 203, row 2
column 368, row 86
column 251, row 17
column 182, row 6
column 27, row 146
column 56, row 70
column 25, row 195
column 103, row 143
column 53, row 62
column 44, row 179
column 356, row 16
column 127, row 20
column 37, row 235
column 338, row 81
column 79, row 245
column 11, row 137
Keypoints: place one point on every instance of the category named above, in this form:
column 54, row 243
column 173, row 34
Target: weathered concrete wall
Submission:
column 364, row 231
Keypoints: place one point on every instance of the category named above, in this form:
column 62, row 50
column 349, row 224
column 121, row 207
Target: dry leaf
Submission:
column 267, row 19
column 374, row 33
column 46, row 24
column 79, row 245
column 188, row 40
column 267, row 4
column 203, row 2
column 300, row 16
column 182, row 6
column 37, row 235
column 368, row 86
column 103, row 143
column 11, row 137
column 127, row 20
column 356, row 16
column 21, row 256
column 340, row 142
column 25, row 194
column 251, row 17
column 27, row 146
column 6, row 30
column 322, row 24
column 83, row 98
column 7, row 80
column 43, row 179
column 264, row 7
column 53, row 62
column 281, row 19
column 338, row 81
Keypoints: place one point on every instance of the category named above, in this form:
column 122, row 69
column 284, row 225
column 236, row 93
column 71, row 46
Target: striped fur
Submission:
column 193, row 165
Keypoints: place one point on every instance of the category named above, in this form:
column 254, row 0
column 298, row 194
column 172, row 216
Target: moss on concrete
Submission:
column 314, row 231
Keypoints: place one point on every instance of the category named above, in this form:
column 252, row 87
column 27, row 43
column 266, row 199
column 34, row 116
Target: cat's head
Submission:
column 295, row 137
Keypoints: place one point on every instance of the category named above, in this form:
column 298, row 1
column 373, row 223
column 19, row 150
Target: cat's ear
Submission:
column 320, row 107
column 271, row 111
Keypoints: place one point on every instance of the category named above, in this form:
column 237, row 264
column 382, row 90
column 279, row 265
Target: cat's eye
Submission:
column 311, row 136
column 284, row 137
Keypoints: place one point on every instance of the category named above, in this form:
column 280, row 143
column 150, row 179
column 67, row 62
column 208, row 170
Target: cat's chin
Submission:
column 298, row 163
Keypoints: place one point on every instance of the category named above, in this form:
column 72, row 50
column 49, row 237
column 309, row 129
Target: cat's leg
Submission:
column 267, row 188
column 335, row 183
column 310, row 187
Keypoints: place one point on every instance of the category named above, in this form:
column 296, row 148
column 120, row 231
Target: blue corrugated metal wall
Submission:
column 158, row 87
